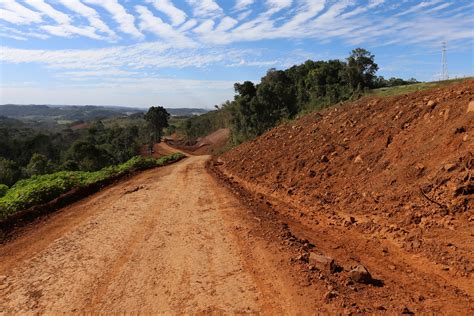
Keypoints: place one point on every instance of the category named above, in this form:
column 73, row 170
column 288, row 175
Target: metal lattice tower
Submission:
column 444, row 72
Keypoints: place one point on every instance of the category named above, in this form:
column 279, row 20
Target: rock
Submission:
column 460, row 130
column 406, row 311
column 324, row 158
column 360, row 275
column 358, row 159
column 323, row 263
column 470, row 107
column 330, row 295
column 431, row 104
column 449, row 167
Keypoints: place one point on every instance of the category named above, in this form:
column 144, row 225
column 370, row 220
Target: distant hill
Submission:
column 79, row 112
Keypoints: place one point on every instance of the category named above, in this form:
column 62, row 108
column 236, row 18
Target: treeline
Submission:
column 27, row 152
column 283, row 94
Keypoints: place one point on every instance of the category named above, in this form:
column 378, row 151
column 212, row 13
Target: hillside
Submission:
column 80, row 112
column 374, row 179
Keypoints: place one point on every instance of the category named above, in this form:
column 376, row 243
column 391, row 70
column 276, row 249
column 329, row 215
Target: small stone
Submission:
column 323, row 263
column 330, row 295
column 470, row 107
column 431, row 104
column 360, row 274
column 449, row 167
column 358, row 159
column 324, row 158
column 406, row 311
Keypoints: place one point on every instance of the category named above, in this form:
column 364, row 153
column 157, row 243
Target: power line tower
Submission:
column 444, row 72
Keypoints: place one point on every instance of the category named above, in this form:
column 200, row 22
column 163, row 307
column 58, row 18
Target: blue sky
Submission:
column 189, row 53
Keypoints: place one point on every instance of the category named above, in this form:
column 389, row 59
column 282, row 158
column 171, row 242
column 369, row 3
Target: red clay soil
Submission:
column 210, row 144
column 382, row 182
column 158, row 151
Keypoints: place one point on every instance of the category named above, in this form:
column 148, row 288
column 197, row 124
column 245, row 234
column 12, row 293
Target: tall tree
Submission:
column 361, row 69
column 157, row 117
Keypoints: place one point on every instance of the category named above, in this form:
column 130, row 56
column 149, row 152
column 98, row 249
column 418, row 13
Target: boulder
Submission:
column 360, row 274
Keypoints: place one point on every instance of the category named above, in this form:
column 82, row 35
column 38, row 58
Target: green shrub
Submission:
column 3, row 189
column 44, row 188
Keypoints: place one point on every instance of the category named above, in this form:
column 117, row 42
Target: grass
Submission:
column 392, row 91
column 44, row 188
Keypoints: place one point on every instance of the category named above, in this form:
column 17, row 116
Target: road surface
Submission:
column 161, row 241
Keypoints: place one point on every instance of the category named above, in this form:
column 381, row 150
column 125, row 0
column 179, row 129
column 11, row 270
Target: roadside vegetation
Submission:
column 26, row 151
column 40, row 189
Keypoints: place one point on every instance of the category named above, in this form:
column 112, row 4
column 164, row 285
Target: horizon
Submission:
column 189, row 53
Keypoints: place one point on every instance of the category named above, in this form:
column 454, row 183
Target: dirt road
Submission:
column 161, row 241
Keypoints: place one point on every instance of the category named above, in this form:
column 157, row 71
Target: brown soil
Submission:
column 170, row 240
column 210, row 144
column 387, row 183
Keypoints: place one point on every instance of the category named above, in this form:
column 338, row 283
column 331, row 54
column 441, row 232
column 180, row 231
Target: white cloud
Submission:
column 66, row 30
column 226, row 24
column 205, row 27
column 125, row 20
column 205, row 8
column 49, row 11
column 277, row 5
column 419, row 7
column 375, row 3
column 15, row 13
column 153, row 24
column 90, row 14
column 243, row 4
column 176, row 15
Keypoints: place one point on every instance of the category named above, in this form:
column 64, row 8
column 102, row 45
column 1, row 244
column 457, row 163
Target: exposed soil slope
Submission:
column 210, row 144
column 386, row 182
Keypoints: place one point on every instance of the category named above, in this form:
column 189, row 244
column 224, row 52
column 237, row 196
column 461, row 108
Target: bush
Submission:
column 9, row 171
column 3, row 189
column 44, row 188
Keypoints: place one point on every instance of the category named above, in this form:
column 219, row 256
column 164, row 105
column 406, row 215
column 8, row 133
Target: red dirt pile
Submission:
column 397, row 169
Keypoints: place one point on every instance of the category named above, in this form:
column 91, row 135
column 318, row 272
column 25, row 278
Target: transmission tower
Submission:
column 444, row 72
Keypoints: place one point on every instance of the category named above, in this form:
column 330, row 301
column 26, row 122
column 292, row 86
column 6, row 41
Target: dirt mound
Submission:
column 397, row 170
column 210, row 144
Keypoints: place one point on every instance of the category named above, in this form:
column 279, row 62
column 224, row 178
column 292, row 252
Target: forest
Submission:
column 284, row 94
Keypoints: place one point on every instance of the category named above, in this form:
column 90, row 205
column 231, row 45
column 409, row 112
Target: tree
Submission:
column 157, row 117
column 361, row 69
column 9, row 172
column 39, row 164
column 87, row 156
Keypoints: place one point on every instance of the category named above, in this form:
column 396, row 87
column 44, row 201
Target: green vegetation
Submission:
column 3, row 189
column 282, row 95
column 404, row 89
column 157, row 117
column 198, row 126
column 44, row 188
